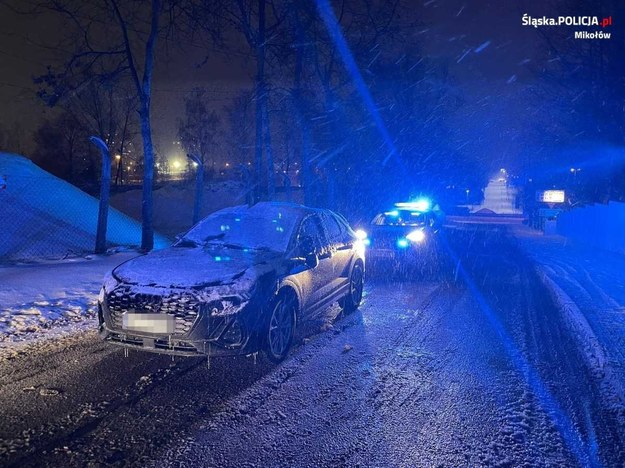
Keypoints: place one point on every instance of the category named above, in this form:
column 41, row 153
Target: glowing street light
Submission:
column 176, row 164
column 118, row 156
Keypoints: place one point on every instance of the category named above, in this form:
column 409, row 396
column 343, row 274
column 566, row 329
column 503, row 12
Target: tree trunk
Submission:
column 271, row 184
column 199, row 187
column 260, row 102
column 306, row 176
column 147, row 232
column 105, row 187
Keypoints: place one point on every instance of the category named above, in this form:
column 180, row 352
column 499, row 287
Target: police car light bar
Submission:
column 418, row 205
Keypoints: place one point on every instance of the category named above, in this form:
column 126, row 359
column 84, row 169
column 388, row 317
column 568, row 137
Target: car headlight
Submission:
column 110, row 283
column 417, row 236
column 223, row 307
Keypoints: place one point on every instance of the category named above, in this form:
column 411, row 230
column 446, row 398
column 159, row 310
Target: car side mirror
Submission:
column 311, row 260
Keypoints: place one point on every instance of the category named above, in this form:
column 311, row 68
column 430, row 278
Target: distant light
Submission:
column 402, row 243
column 393, row 213
column 503, row 170
column 195, row 164
column 227, row 164
column 361, row 234
column 118, row 156
column 176, row 164
column 572, row 169
column 467, row 190
column 417, row 236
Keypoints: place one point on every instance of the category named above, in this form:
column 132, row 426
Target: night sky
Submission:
column 487, row 50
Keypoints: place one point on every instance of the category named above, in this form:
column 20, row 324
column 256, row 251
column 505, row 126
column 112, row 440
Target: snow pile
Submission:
column 62, row 294
column 46, row 217
column 597, row 225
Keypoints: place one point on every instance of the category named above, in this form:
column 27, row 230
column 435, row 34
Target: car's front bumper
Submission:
column 206, row 336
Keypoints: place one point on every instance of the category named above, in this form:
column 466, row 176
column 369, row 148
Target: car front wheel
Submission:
column 280, row 328
column 356, row 286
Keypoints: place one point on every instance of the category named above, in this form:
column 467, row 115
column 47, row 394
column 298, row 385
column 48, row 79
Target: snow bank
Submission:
column 577, row 323
column 60, row 295
column 597, row 225
column 45, row 217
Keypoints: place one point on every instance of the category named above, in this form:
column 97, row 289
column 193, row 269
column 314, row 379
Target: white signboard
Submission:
column 550, row 196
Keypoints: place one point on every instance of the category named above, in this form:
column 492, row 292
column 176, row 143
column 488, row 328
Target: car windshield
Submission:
column 400, row 218
column 246, row 229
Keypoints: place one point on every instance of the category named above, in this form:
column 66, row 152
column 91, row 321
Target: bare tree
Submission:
column 111, row 39
column 198, row 129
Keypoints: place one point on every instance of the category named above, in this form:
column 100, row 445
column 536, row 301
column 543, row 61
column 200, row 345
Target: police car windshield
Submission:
column 400, row 218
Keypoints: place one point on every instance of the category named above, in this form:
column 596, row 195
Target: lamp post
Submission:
column 118, row 172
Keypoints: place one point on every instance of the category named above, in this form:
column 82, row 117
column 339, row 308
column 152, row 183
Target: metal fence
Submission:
column 42, row 216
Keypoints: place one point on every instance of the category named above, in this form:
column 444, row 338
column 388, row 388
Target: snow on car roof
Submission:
column 270, row 209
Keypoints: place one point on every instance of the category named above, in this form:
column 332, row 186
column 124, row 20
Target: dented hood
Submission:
column 197, row 267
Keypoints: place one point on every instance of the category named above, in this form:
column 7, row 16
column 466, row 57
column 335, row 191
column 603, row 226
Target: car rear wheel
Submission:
column 356, row 287
column 280, row 327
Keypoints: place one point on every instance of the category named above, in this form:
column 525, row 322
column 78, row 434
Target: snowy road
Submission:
column 425, row 373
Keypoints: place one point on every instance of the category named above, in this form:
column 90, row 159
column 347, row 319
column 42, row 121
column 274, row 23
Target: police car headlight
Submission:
column 417, row 236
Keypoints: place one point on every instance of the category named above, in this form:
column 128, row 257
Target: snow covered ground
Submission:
column 425, row 373
column 587, row 284
column 57, row 296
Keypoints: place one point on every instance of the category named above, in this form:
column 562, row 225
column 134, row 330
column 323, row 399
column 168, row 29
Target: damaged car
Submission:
column 239, row 282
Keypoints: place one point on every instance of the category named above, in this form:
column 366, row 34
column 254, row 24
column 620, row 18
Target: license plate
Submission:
column 149, row 323
column 381, row 253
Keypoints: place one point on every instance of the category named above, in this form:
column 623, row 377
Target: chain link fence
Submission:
column 42, row 216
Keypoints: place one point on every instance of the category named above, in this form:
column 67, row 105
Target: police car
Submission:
column 403, row 236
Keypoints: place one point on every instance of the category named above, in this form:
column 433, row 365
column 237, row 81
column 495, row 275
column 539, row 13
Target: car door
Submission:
column 314, row 282
column 340, row 244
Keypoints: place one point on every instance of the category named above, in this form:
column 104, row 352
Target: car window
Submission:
column 334, row 230
column 311, row 227
column 246, row 228
column 401, row 218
